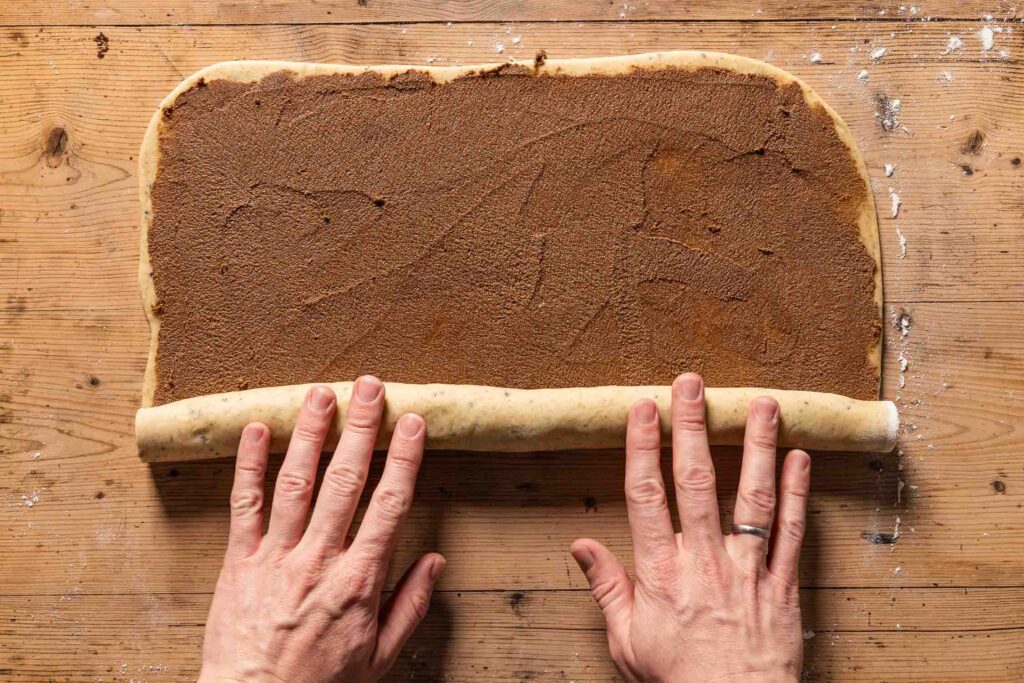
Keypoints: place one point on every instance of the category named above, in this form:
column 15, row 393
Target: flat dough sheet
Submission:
column 750, row 253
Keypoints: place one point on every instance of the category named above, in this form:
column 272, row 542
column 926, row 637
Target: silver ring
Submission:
column 752, row 530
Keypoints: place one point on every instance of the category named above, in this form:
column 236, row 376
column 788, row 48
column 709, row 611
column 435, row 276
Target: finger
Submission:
column 792, row 516
column 405, row 610
column 378, row 534
column 646, row 502
column 609, row 584
column 247, row 492
column 755, row 500
column 693, row 471
column 294, row 486
column 345, row 477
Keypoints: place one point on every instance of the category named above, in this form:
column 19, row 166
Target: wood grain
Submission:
column 107, row 575
column 176, row 12
column 517, row 636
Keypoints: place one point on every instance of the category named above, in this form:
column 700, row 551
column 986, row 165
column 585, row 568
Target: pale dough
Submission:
column 465, row 417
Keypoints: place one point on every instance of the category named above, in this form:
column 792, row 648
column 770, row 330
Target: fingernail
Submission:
column 584, row 558
column 436, row 567
column 646, row 412
column 368, row 388
column 253, row 433
column 409, row 425
column 320, row 398
column 690, row 386
column 766, row 408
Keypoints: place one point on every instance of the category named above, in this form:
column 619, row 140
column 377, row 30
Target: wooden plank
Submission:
column 175, row 12
column 508, row 635
column 961, row 230
column 72, row 351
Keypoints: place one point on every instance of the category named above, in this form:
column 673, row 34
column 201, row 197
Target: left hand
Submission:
column 304, row 604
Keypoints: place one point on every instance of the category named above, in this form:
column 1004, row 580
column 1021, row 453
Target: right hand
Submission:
column 704, row 607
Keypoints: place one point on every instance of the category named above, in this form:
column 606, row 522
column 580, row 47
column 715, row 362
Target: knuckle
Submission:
column 419, row 604
column 696, row 479
column 604, row 591
column 644, row 439
column 690, row 421
column 246, row 502
column 647, row 491
column 793, row 529
column 343, row 479
column 292, row 483
column 362, row 418
column 759, row 498
column 252, row 467
column 310, row 432
column 763, row 441
column 391, row 503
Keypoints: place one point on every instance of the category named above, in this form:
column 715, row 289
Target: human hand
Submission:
column 295, row 605
column 704, row 607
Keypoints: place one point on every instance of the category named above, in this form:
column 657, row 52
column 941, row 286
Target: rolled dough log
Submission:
column 479, row 418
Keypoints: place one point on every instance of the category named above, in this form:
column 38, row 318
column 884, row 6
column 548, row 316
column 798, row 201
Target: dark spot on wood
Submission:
column 974, row 143
column 999, row 486
column 102, row 45
column 967, row 169
column 877, row 465
column 590, row 504
column 1015, row 161
column 526, row 486
column 886, row 111
column 540, row 58
column 56, row 143
column 878, row 538
column 94, row 381
column 16, row 305
column 987, row 353
column 173, row 472
column 361, row 3
column 99, row 495
column 19, row 38
column 379, row 202
column 516, row 600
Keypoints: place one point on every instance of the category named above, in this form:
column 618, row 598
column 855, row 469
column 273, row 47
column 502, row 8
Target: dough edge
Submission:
column 495, row 419
column 251, row 71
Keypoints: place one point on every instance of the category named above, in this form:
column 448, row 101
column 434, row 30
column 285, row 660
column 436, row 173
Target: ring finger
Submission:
column 755, row 500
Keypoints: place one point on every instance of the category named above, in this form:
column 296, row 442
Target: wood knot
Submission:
column 55, row 146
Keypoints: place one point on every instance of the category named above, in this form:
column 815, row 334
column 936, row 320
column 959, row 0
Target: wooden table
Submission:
column 913, row 568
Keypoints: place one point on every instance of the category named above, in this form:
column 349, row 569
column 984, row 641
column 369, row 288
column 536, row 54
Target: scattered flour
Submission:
column 516, row 40
column 808, row 634
column 469, row 43
column 903, row 243
column 863, row 75
column 30, row 499
column 987, row 37
column 954, row 44
column 878, row 53
column 945, row 77
column 895, row 202
column 816, row 58
column 499, row 48
column 889, row 170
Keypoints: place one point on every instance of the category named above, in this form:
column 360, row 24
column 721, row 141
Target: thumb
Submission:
column 405, row 610
column 609, row 584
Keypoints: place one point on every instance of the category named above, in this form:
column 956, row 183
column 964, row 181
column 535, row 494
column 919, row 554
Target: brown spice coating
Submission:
column 509, row 230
